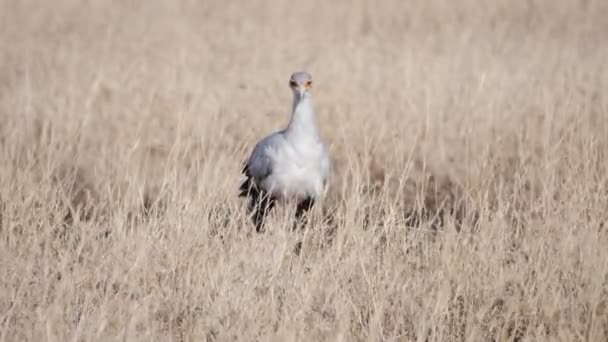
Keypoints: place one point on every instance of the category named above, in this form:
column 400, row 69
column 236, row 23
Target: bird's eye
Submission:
column 292, row 83
column 309, row 84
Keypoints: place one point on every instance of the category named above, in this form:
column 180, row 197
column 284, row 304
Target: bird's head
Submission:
column 300, row 83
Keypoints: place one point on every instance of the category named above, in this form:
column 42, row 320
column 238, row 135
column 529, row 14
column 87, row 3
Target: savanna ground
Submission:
column 469, row 195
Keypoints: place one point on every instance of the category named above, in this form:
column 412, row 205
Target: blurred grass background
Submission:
column 124, row 125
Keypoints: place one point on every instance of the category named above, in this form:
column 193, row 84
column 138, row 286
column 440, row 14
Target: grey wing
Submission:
column 260, row 165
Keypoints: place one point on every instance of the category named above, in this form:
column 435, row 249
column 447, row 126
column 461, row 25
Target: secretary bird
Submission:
column 289, row 165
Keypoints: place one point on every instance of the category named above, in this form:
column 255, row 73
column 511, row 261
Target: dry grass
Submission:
column 470, row 190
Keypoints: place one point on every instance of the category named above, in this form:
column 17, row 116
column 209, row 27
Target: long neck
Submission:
column 302, row 123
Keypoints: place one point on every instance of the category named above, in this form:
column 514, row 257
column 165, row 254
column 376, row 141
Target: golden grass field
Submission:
column 469, row 191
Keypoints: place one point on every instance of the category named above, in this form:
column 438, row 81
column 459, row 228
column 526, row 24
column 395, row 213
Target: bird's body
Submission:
column 292, row 164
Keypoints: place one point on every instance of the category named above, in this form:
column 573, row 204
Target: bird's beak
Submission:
column 301, row 91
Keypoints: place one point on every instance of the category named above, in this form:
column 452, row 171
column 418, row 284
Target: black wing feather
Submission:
column 248, row 187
